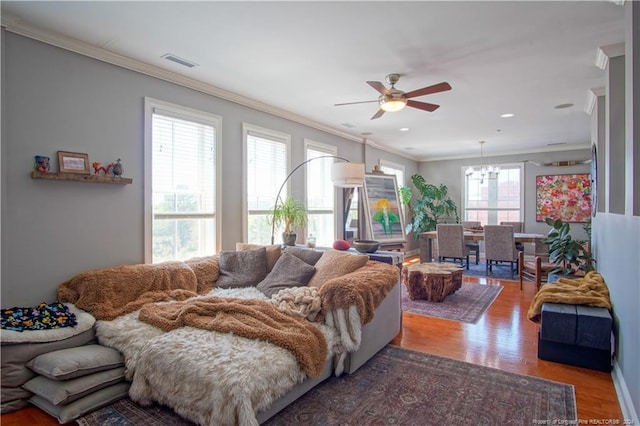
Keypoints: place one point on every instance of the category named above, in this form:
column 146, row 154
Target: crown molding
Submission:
column 605, row 52
column 505, row 153
column 592, row 98
column 18, row 26
column 373, row 144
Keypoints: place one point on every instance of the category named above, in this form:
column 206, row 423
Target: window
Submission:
column 390, row 168
column 180, row 182
column 267, row 162
column 320, row 193
column 492, row 201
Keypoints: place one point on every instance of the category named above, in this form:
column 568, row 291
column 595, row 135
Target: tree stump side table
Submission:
column 431, row 281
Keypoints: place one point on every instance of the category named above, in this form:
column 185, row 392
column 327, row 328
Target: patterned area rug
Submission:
column 467, row 304
column 502, row 272
column 402, row 387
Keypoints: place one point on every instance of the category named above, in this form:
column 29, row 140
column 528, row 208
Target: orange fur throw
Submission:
column 590, row 290
column 250, row 318
column 111, row 292
column 365, row 288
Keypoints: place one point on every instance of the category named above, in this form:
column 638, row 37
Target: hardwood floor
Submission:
column 503, row 338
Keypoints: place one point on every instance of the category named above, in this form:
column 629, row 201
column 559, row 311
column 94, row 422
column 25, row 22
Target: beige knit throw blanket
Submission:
column 590, row 290
column 365, row 288
column 110, row 292
column 250, row 318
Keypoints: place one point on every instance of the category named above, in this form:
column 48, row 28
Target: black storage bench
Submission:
column 576, row 335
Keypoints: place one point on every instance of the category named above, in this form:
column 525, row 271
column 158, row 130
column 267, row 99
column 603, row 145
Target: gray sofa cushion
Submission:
column 87, row 404
column 76, row 362
column 62, row 392
column 242, row 268
column 289, row 271
column 309, row 256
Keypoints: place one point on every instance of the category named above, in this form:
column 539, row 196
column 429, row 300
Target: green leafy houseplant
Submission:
column 291, row 213
column 430, row 208
column 568, row 254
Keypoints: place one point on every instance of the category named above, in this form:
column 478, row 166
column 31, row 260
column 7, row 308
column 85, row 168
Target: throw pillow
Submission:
column 87, row 404
column 309, row 256
column 289, row 271
column 334, row 263
column 76, row 362
column 242, row 268
column 62, row 392
column 273, row 252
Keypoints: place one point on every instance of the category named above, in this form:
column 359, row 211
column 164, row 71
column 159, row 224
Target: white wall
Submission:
column 54, row 100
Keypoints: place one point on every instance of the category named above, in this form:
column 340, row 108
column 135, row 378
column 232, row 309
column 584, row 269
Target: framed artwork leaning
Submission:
column 564, row 197
column 382, row 208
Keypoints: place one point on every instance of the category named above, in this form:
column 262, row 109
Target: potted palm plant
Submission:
column 291, row 213
column 569, row 255
column 430, row 208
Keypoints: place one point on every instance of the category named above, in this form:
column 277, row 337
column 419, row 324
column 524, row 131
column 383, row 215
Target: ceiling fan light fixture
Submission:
column 392, row 104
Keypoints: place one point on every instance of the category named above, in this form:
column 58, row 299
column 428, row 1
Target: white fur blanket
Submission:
column 208, row 377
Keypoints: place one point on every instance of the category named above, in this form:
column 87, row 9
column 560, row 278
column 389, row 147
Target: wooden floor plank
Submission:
column 503, row 338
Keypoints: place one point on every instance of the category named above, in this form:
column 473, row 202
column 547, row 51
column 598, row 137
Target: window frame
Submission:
column 328, row 150
column 151, row 106
column 275, row 136
column 503, row 166
column 396, row 166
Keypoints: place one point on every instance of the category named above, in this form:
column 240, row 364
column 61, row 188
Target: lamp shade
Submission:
column 347, row 175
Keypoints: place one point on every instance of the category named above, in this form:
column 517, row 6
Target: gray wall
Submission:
column 449, row 172
column 54, row 100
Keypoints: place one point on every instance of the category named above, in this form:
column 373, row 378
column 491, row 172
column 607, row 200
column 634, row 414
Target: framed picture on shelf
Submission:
column 565, row 197
column 383, row 214
column 73, row 162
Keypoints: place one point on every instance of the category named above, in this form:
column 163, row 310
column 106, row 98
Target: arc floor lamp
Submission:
column 343, row 175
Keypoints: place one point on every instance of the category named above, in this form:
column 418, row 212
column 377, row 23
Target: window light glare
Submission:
column 404, row 129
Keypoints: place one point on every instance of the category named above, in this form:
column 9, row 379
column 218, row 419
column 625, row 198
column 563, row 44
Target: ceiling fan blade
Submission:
column 440, row 87
column 353, row 103
column 423, row 105
column 379, row 87
column 378, row 114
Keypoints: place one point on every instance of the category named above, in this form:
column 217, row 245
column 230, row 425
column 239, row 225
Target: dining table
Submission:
column 518, row 237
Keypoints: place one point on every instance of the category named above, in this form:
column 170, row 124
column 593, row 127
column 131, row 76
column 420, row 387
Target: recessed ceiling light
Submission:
column 404, row 129
column 563, row 106
column 507, row 115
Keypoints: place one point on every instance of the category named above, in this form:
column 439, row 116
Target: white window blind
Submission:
column 183, row 151
column 267, row 163
column 492, row 201
column 320, row 194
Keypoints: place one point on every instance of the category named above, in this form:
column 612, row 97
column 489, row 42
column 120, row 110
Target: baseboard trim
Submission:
column 624, row 398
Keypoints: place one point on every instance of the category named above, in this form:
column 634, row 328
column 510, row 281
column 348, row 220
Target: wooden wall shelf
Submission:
column 81, row 178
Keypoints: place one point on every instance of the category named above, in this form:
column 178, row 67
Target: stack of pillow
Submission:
column 75, row 381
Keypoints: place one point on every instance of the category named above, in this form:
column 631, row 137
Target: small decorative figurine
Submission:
column 41, row 163
column 117, row 168
column 97, row 168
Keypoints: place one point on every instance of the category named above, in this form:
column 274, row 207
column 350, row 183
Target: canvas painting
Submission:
column 565, row 197
column 382, row 208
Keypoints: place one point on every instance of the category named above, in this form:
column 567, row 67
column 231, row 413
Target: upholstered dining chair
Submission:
column 451, row 243
column 537, row 269
column 473, row 246
column 499, row 247
column 518, row 227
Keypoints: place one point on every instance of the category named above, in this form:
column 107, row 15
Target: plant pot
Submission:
column 289, row 239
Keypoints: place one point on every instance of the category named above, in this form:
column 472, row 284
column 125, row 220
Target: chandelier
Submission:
column 490, row 172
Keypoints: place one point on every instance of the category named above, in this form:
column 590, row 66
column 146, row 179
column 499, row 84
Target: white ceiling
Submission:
column 303, row 57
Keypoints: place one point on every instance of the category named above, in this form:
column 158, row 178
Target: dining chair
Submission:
column 451, row 243
column 473, row 246
column 518, row 227
column 499, row 246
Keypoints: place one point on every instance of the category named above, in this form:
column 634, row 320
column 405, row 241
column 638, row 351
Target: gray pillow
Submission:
column 62, row 392
column 91, row 402
column 289, row 271
column 309, row 256
column 242, row 268
column 76, row 362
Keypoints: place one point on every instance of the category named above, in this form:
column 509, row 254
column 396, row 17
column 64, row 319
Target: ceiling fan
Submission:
column 393, row 99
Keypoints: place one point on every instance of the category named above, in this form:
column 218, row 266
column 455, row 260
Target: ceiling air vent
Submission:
column 179, row 60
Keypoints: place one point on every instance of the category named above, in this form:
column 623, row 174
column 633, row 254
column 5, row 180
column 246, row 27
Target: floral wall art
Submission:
column 565, row 197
